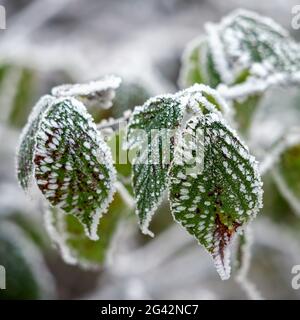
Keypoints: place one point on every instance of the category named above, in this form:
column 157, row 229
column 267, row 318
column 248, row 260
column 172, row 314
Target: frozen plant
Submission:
column 182, row 144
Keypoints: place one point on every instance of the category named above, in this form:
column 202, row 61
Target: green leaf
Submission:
column 198, row 65
column 69, row 236
column 245, row 52
column 287, row 172
column 73, row 165
column 252, row 52
column 26, row 274
column 220, row 196
column 150, row 129
column 25, row 165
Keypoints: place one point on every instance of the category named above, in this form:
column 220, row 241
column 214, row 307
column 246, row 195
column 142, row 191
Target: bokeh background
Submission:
column 47, row 43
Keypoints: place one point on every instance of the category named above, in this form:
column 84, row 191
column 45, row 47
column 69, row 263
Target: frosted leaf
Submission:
column 155, row 147
column 25, row 165
column 95, row 93
column 244, row 54
column 69, row 236
column 73, row 165
column 252, row 52
column 286, row 171
column 215, row 202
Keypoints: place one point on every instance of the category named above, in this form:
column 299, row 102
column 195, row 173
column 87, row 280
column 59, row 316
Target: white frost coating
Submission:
column 58, row 234
column 242, row 274
column 104, row 156
column 231, row 56
column 133, row 142
column 226, row 21
column 218, row 53
column 291, row 139
column 85, row 89
column 257, row 85
column 196, row 92
column 286, row 192
column 222, row 265
column 213, row 238
column 44, row 101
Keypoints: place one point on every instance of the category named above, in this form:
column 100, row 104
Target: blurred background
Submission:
column 48, row 43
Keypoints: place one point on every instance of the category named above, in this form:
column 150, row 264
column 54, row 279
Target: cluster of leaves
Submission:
column 245, row 57
column 182, row 144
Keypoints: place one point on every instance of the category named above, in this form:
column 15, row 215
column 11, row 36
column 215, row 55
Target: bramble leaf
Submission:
column 220, row 196
column 249, row 54
column 150, row 129
column 73, row 165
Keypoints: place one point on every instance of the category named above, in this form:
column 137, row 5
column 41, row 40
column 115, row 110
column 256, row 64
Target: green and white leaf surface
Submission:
column 249, row 53
column 216, row 202
column 150, row 129
column 25, row 165
column 73, row 165
column 153, row 130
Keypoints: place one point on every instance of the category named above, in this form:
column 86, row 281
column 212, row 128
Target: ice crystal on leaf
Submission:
column 153, row 130
column 73, row 165
column 215, row 202
column 155, row 152
column 95, row 93
column 27, row 143
column 245, row 53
